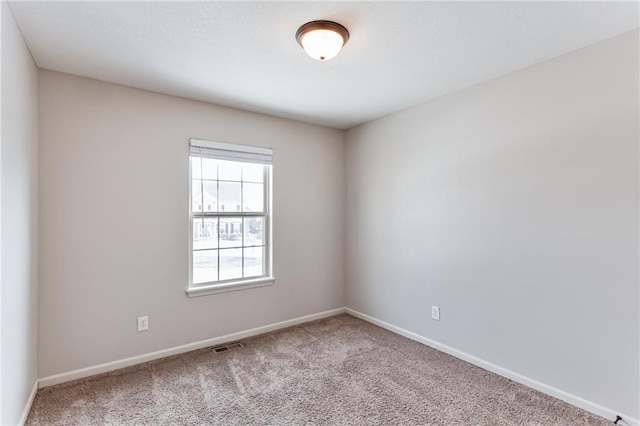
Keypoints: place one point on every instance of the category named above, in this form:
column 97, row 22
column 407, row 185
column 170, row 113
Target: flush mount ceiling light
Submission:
column 322, row 40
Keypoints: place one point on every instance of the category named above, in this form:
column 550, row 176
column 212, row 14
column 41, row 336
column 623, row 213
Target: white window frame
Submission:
column 241, row 153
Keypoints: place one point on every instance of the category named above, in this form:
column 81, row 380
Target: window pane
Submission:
column 253, row 197
column 196, row 196
column 205, row 234
column 252, row 172
column 253, row 231
column 253, row 261
column 229, row 170
column 228, row 242
column 230, row 196
column 210, row 195
column 230, row 232
column 195, row 167
column 230, row 264
column 205, row 266
column 209, row 169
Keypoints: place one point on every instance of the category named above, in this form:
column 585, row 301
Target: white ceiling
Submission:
column 244, row 54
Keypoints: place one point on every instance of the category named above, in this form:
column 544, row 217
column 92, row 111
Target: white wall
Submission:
column 512, row 205
column 19, row 224
column 114, row 222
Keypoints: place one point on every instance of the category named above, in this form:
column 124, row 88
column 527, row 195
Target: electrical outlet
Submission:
column 435, row 313
column 143, row 323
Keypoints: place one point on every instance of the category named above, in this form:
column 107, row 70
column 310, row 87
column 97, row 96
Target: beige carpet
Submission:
column 336, row 371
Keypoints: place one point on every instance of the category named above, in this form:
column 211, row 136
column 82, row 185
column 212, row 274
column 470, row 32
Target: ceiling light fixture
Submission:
column 322, row 40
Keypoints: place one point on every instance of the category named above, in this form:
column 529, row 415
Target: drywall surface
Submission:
column 19, row 191
column 114, row 223
column 513, row 206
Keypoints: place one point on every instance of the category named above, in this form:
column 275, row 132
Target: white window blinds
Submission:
column 230, row 152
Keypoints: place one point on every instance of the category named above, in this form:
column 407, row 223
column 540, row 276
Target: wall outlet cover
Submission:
column 435, row 313
column 143, row 323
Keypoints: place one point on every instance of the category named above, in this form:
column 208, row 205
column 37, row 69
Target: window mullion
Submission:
column 242, row 220
column 233, row 214
column 201, row 190
column 242, row 241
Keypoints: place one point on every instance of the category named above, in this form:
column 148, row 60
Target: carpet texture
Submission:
column 336, row 371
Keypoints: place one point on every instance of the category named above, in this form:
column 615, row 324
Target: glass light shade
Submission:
column 322, row 40
column 322, row 44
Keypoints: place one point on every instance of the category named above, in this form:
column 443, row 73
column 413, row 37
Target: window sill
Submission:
column 223, row 288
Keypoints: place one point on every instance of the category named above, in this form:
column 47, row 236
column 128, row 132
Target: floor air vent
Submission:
column 227, row 347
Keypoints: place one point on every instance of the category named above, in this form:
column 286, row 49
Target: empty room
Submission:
column 320, row 213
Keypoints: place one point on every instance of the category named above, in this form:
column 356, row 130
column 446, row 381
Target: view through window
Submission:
column 229, row 215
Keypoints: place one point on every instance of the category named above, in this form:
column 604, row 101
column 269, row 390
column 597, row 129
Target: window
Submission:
column 230, row 217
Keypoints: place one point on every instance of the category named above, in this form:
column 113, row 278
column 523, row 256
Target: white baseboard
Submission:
column 516, row 377
column 139, row 359
column 27, row 407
